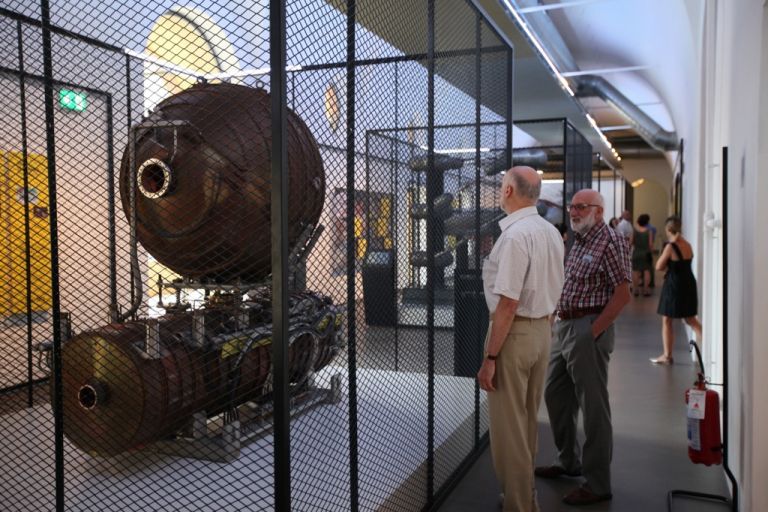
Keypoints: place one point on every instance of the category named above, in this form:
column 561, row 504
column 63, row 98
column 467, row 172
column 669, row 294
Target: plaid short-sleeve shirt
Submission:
column 597, row 263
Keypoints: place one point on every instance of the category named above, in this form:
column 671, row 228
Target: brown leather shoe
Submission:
column 554, row 472
column 583, row 496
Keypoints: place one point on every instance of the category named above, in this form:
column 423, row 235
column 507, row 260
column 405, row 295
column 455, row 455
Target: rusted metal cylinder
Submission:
column 118, row 397
column 202, row 182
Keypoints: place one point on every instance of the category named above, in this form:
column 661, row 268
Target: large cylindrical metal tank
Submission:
column 201, row 182
column 118, row 395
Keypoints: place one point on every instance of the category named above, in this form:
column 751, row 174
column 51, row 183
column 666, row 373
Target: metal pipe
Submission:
column 646, row 127
column 591, row 85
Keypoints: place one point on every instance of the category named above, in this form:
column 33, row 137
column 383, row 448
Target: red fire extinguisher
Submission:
column 704, row 443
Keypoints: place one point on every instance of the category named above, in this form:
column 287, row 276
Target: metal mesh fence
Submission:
column 141, row 362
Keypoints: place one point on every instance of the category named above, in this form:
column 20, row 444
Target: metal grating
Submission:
column 155, row 354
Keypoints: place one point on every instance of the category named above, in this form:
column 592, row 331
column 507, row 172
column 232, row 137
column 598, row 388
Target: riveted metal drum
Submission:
column 199, row 170
column 120, row 393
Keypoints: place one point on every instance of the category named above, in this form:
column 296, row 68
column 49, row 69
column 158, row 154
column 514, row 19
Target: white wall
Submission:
column 732, row 78
column 654, row 195
column 759, row 349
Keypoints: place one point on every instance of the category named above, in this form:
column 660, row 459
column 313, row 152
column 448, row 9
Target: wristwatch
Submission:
column 492, row 358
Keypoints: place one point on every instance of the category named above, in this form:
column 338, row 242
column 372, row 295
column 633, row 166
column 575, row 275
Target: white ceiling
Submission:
column 603, row 35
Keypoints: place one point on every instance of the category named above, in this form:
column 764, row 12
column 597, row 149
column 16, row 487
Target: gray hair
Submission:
column 526, row 189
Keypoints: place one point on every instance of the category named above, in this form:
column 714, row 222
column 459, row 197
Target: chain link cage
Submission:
column 241, row 251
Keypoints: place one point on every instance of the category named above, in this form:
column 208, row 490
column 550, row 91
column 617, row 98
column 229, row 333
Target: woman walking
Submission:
column 679, row 298
column 642, row 244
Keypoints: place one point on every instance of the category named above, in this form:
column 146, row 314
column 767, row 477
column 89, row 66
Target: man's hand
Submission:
column 620, row 298
column 485, row 375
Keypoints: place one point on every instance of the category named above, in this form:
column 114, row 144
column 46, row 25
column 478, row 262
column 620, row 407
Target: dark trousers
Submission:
column 578, row 379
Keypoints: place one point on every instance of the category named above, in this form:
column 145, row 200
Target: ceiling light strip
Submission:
column 458, row 150
column 535, row 41
column 561, row 5
column 604, row 71
column 560, row 78
column 616, row 128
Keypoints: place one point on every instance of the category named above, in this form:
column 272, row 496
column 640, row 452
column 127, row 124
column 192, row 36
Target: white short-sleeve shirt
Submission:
column 525, row 264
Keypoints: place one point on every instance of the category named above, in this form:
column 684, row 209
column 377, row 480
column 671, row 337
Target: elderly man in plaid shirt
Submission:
column 596, row 289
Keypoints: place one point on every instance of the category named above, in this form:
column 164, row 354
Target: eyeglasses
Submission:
column 580, row 207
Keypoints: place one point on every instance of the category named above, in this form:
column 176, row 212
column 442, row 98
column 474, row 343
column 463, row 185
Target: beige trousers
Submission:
column 513, row 407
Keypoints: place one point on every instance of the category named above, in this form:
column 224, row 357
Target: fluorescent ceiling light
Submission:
column 552, row 181
column 540, row 48
column 535, row 41
column 616, row 127
column 169, row 66
column 561, row 5
column 603, row 71
column 637, row 182
column 457, row 150
column 539, row 171
column 249, row 72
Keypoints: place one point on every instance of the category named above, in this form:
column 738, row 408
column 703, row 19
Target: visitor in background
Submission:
column 679, row 298
column 642, row 246
column 653, row 231
column 625, row 225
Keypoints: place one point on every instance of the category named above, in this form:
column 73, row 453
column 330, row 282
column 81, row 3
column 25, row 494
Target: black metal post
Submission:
column 351, row 302
column 114, row 312
column 614, row 190
column 431, row 176
column 682, row 169
column 599, row 172
column 394, row 158
column 111, row 207
column 566, row 174
column 478, row 119
column 367, row 190
column 58, row 409
column 510, row 124
column 25, row 171
column 279, row 239
column 734, row 484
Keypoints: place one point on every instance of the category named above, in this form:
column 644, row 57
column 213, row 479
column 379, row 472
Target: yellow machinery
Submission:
column 13, row 253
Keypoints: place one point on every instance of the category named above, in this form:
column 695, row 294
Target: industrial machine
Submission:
column 197, row 380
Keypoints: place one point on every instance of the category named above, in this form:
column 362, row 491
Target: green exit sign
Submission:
column 71, row 100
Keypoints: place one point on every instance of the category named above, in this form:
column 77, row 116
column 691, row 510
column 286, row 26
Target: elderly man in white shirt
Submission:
column 522, row 280
column 625, row 225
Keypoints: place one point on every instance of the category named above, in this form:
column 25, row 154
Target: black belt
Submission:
column 579, row 313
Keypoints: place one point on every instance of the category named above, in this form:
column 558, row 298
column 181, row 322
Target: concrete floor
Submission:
column 650, row 445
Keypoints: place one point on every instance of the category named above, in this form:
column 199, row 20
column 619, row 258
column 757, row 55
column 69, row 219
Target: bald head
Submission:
column 526, row 182
column 592, row 197
column 588, row 196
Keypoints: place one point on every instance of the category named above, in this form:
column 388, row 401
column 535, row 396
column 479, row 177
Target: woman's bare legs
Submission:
column 647, row 283
column 637, row 278
column 696, row 326
column 667, row 340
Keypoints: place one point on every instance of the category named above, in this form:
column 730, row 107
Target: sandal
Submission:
column 662, row 360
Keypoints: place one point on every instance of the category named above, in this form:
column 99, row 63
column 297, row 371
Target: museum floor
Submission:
column 650, row 448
